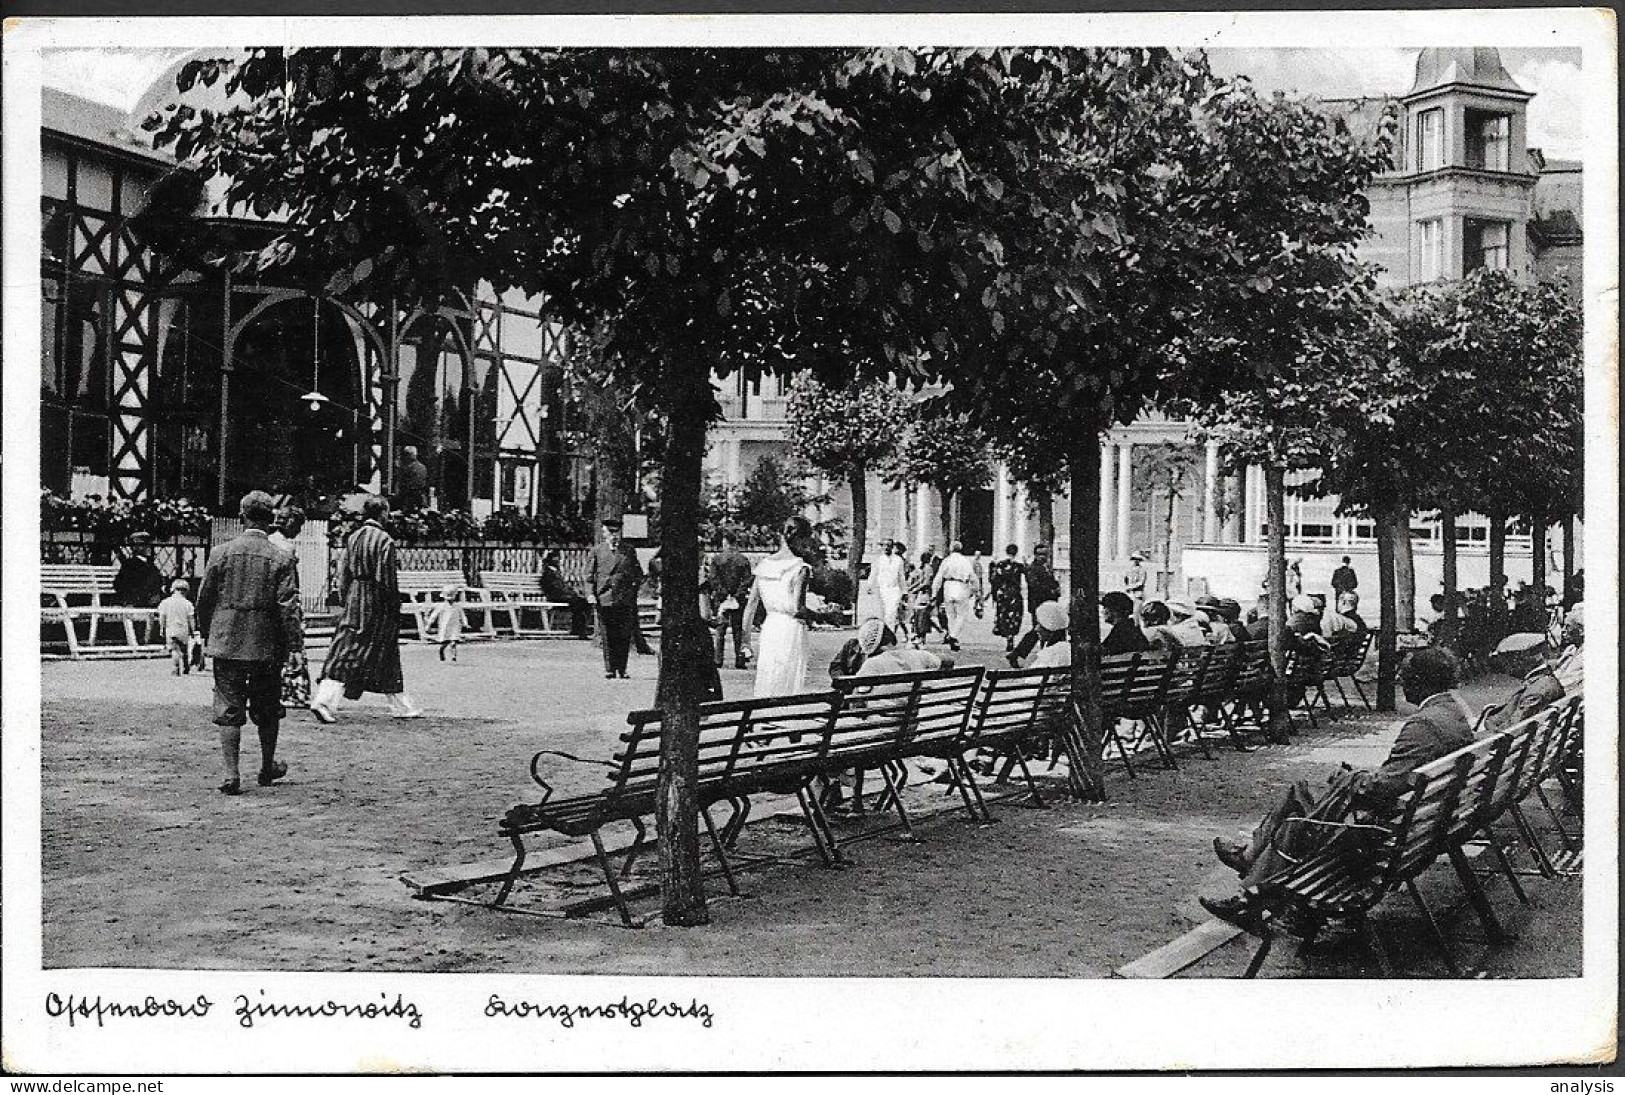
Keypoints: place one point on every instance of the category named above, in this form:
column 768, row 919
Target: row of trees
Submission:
column 872, row 426
column 1052, row 239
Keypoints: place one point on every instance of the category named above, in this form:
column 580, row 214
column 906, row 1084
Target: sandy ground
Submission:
column 145, row 864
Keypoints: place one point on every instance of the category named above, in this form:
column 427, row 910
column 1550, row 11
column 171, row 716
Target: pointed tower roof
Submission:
column 1475, row 66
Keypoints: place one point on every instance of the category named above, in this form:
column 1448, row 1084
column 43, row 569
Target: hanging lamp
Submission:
column 314, row 397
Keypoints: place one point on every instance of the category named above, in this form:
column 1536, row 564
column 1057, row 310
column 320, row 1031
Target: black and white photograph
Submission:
column 645, row 543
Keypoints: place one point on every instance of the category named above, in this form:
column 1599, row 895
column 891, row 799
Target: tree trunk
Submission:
column 1537, row 561
column 1447, row 528
column 685, row 648
column 1275, row 503
column 1404, row 574
column 947, row 518
column 1498, row 549
column 859, row 482
column 1168, row 548
column 1044, row 506
column 1086, row 731
column 1387, row 667
column 1568, row 557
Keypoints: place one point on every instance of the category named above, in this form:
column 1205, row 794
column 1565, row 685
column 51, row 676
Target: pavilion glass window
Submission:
column 1489, row 140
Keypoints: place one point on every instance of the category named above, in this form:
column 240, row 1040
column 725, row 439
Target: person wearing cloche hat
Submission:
column 1186, row 623
column 1527, row 655
column 1055, row 651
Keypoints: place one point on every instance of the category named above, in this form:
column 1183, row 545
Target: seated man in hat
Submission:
column 1123, row 635
column 1523, row 654
column 1188, row 624
column 1156, row 621
column 1440, row 725
column 1570, row 668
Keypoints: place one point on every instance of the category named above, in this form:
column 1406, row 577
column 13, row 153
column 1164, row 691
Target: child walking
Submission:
column 448, row 622
column 179, row 621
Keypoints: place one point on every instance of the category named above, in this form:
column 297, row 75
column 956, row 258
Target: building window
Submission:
column 1430, row 140
column 1429, row 250
column 1489, row 140
column 1484, row 245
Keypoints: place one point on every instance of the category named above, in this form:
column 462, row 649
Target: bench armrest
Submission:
column 547, row 788
column 1340, row 826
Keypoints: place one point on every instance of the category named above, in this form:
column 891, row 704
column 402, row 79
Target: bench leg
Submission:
column 1196, row 729
column 1542, row 862
column 1027, row 774
column 636, row 848
column 736, row 821
column 1479, row 899
column 969, row 778
column 1494, row 839
column 1122, row 749
column 894, row 793
column 823, row 836
column 1342, row 695
column 513, row 872
column 1355, row 681
column 1265, row 942
column 1433, row 928
column 722, row 856
column 1373, row 943
column 1312, row 924
column 609, row 877
column 1227, row 714
column 1569, row 843
column 1155, row 727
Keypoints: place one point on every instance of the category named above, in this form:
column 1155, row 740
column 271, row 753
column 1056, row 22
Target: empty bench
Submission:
column 507, row 596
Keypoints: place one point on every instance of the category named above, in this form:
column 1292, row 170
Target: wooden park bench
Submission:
column 1014, row 710
column 1454, row 799
column 509, row 595
column 73, row 593
column 1133, row 688
column 1348, row 657
column 889, row 718
column 745, row 746
column 1216, row 687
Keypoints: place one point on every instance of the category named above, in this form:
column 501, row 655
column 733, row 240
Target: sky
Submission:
column 1555, row 119
column 118, row 76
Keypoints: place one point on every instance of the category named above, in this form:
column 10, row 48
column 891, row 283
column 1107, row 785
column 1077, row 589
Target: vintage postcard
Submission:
column 785, row 543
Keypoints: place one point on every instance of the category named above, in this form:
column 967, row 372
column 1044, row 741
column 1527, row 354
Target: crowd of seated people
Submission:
column 1441, row 723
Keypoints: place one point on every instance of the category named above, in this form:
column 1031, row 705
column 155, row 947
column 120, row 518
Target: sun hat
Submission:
column 1140, row 555
column 1521, row 642
column 179, row 585
column 1050, row 616
column 1304, row 603
column 869, row 633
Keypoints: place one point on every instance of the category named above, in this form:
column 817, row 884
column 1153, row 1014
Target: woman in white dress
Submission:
column 888, row 577
column 781, row 588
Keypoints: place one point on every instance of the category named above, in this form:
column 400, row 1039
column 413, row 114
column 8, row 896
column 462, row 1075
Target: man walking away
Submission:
column 1344, row 580
column 248, row 612
column 730, row 587
column 957, row 587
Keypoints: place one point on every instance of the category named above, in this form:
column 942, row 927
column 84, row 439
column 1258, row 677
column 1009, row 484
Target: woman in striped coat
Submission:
column 365, row 655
